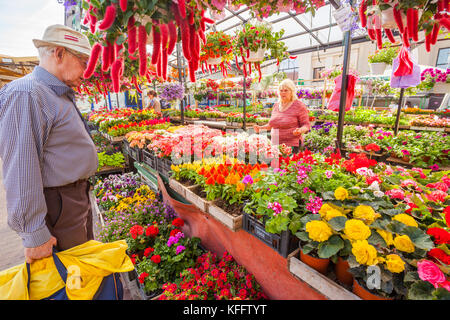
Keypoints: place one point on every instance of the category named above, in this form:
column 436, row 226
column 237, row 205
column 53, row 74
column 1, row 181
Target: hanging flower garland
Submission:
column 266, row 8
column 217, row 53
column 409, row 17
column 124, row 29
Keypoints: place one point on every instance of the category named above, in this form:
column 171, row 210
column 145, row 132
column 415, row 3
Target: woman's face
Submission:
column 285, row 94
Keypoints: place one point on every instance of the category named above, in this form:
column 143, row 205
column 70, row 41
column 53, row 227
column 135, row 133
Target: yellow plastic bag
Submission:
column 86, row 264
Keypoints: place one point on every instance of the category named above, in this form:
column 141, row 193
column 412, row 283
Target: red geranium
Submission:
column 371, row 179
column 372, row 147
column 136, row 231
column 358, row 160
column 142, row 277
column 177, row 222
column 156, row 258
column 148, row 251
column 174, row 232
column 440, row 235
column 152, row 231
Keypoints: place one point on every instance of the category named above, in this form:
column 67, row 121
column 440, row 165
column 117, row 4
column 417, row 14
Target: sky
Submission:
column 24, row 20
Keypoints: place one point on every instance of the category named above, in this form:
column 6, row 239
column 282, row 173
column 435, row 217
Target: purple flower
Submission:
column 180, row 249
column 247, row 179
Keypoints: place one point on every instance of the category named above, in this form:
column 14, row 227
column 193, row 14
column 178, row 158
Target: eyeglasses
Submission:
column 81, row 58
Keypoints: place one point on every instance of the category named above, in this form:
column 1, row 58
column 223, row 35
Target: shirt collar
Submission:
column 52, row 82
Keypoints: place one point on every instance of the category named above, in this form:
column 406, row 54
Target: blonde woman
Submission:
column 289, row 119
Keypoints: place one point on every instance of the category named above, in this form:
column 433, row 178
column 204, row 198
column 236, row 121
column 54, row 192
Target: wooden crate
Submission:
column 177, row 187
column 196, row 200
column 316, row 280
column 232, row 222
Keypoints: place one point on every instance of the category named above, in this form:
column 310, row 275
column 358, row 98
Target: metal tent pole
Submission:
column 245, row 103
column 343, row 98
column 399, row 110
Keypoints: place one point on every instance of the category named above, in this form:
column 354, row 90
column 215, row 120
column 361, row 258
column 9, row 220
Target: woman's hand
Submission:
column 256, row 128
column 299, row 131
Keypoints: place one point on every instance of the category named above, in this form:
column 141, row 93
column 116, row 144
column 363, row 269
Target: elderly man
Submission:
column 46, row 149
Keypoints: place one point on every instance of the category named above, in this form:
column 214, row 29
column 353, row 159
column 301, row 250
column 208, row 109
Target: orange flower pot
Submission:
column 366, row 294
column 341, row 270
column 318, row 264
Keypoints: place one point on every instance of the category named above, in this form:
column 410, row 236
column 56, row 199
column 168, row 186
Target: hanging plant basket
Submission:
column 256, row 56
column 214, row 61
column 377, row 68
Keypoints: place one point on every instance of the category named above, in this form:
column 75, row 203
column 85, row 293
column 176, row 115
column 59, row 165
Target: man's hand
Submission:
column 43, row 251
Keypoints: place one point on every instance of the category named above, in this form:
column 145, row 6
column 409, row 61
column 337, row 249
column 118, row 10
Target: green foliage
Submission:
column 115, row 160
column 386, row 54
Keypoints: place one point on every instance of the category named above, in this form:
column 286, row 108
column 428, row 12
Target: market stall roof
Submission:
column 12, row 68
column 302, row 32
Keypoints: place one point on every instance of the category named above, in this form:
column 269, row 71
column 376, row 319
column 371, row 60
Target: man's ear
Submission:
column 59, row 53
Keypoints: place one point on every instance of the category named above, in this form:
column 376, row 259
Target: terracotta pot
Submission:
column 365, row 294
column 342, row 274
column 318, row 264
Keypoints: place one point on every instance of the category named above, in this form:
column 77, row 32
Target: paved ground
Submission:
column 11, row 249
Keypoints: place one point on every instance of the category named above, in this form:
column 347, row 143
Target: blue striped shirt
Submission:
column 43, row 143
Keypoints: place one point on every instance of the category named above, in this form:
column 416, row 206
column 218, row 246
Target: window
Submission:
column 316, row 73
column 443, row 58
column 290, row 67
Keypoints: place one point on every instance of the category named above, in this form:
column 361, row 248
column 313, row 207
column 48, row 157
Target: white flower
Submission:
column 378, row 194
column 375, row 186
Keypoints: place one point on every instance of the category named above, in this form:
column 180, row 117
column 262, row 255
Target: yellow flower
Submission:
column 356, row 230
column 404, row 243
column 406, row 219
column 365, row 213
column 364, row 252
column 341, row 193
column 387, row 236
column 324, row 209
column 327, row 212
column 175, row 168
column 333, row 213
column 394, row 263
column 318, row 230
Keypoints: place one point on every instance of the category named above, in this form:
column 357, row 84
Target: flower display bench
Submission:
column 113, row 139
column 318, row 281
column 268, row 266
column 233, row 222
